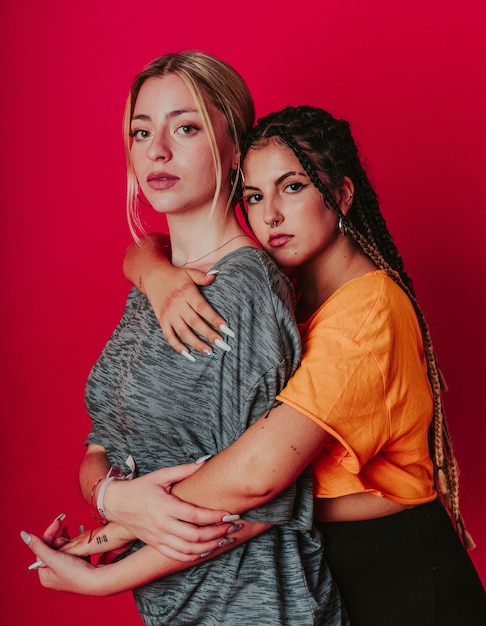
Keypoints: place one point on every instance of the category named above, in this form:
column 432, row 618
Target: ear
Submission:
column 345, row 195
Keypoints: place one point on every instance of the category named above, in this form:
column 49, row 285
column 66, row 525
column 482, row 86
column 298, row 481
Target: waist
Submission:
column 429, row 513
column 356, row 507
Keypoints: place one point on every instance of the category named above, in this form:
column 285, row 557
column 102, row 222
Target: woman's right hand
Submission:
column 173, row 293
column 181, row 309
column 177, row 529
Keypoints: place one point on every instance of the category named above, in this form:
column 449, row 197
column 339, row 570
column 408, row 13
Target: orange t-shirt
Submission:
column 363, row 378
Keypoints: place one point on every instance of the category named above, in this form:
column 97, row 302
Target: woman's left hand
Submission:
column 60, row 571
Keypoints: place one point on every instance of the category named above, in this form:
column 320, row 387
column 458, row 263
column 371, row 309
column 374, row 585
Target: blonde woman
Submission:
column 185, row 121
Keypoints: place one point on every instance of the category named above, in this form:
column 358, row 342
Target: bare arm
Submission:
column 63, row 572
column 178, row 305
column 250, row 472
column 266, row 458
column 180, row 523
column 94, row 465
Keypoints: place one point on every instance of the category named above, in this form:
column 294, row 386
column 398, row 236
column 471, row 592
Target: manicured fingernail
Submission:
column 230, row 518
column 188, row 356
column 203, row 458
column 234, row 529
column 212, row 272
column 223, row 345
column 225, row 542
column 60, row 518
column 35, row 565
column 227, row 331
column 203, row 554
column 81, row 529
column 26, row 538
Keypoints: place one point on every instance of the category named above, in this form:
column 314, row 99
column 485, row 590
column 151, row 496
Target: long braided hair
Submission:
column 327, row 151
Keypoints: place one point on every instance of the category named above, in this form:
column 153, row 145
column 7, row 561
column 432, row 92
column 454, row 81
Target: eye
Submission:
column 187, row 129
column 253, row 198
column 294, row 187
column 140, row 135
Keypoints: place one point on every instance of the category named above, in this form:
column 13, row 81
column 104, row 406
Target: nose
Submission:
column 159, row 148
column 272, row 216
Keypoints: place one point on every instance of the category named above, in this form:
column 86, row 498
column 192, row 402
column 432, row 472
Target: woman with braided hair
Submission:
column 365, row 406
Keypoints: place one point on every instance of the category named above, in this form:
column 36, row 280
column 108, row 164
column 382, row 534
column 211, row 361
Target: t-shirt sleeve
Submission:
column 341, row 387
column 92, row 438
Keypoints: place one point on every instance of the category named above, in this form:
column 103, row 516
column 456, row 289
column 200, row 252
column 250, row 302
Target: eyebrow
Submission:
column 279, row 180
column 146, row 118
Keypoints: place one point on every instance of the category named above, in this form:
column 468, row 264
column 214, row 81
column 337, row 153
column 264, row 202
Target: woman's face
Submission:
column 286, row 212
column 170, row 150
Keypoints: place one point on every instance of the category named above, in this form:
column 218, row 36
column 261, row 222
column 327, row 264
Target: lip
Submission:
column 278, row 240
column 161, row 180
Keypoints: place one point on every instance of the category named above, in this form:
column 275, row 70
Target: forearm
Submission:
column 148, row 564
column 152, row 251
column 258, row 466
column 94, row 466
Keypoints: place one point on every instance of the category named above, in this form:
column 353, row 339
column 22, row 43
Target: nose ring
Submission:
column 274, row 224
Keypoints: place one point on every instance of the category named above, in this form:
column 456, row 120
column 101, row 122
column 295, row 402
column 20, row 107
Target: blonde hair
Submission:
column 209, row 80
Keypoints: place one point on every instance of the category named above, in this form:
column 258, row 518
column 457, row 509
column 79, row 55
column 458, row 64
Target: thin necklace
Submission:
column 215, row 250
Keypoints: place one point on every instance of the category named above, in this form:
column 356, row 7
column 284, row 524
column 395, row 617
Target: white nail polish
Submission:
column 188, row 356
column 60, row 518
column 35, row 565
column 26, row 538
column 212, row 272
column 227, row 331
column 230, row 518
column 203, row 554
column 223, row 345
column 203, row 458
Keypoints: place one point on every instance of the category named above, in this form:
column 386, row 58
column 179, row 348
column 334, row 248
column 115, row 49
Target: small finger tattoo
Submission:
column 101, row 539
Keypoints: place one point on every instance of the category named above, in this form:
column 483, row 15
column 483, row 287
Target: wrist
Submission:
column 93, row 500
column 111, row 499
column 100, row 505
column 103, row 581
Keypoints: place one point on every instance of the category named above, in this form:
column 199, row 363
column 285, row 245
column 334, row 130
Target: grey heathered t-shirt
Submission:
column 148, row 401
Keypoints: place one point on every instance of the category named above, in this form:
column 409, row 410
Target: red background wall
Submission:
column 411, row 79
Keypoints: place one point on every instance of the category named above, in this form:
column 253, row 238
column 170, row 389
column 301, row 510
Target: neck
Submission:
column 320, row 278
column 199, row 240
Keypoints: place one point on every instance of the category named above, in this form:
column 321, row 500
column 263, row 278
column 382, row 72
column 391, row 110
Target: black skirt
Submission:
column 407, row 569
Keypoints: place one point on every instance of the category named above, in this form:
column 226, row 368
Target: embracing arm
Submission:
column 177, row 302
column 265, row 460
column 257, row 467
column 253, row 470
